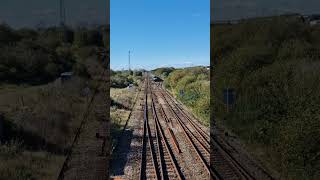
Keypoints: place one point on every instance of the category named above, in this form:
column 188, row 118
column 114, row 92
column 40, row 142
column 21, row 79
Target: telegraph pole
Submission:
column 129, row 62
column 62, row 13
column 65, row 36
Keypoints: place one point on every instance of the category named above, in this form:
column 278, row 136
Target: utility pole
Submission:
column 65, row 36
column 129, row 62
column 62, row 13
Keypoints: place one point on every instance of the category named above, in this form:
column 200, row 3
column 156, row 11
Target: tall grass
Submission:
column 39, row 124
column 20, row 164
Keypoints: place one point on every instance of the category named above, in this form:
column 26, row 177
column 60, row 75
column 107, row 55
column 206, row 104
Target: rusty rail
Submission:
column 165, row 143
column 174, row 140
column 240, row 170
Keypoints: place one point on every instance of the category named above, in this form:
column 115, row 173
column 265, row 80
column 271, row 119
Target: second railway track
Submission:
column 223, row 164
column 161, row 154
column 158, row 161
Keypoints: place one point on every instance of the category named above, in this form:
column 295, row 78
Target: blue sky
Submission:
column 30, row 13
column 159, row 33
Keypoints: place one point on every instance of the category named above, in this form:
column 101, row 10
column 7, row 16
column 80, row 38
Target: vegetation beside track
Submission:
column 122, row 79
column 191, row 86
column 122, row 98
column 273, row 66
column 38, row 56
column 39, row 113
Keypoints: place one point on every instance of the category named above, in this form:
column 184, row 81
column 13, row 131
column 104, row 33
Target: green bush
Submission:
column 88, row 37
column 40, row 56
column 137, row 73
column 192, row 87
column 122, row 79
column 163, row 72
column 81, row 70
column 8, row 35
column 273, row 65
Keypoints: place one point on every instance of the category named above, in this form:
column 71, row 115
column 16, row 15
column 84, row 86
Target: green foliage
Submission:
column 39, row 56
column 81, row 70
column 26, row 61
column 7, row 35
column 120, row 79
column 163, row 72
column 85, row 37
column 25, row 33
column 39, row 121
column 137, row 73
column 50, row 38
column 192, row 87
column 52, row 70
column 83, row 53
column 273, row 65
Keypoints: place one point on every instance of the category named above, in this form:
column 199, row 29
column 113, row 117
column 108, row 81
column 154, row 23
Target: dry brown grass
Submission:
column 120, row 109
column 123, row 96
column 40, row 122
column 16, row 163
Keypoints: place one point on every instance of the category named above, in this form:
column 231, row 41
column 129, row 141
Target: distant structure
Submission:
column 157, row 79
column 313, row 19
column 130, row 86
column 66, row 76
column 66, row 35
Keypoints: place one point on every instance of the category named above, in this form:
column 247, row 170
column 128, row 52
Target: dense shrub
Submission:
column 39, row 114
column 273, row 65
column 7, row 35
column 86, row 37
column 137, row 73
column 39, row 56
column 122, row 79
column 81, row 70
column 192, row 87
column 163, row 72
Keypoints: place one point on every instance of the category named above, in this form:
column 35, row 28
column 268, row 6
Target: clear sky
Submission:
column 30, row 13
column 159, row 33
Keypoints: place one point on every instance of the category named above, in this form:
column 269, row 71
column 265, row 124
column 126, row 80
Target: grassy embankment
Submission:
column 122, row 98
column 191, row 86
column 273, row 66
column 39, row 115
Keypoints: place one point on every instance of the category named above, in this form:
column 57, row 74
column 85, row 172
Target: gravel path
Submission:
column 89, row 160
column 127, row 157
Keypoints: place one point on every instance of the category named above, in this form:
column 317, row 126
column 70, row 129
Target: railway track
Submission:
column 158, row 161
column 223, row 164
column 158, row 158
column 198, row 147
